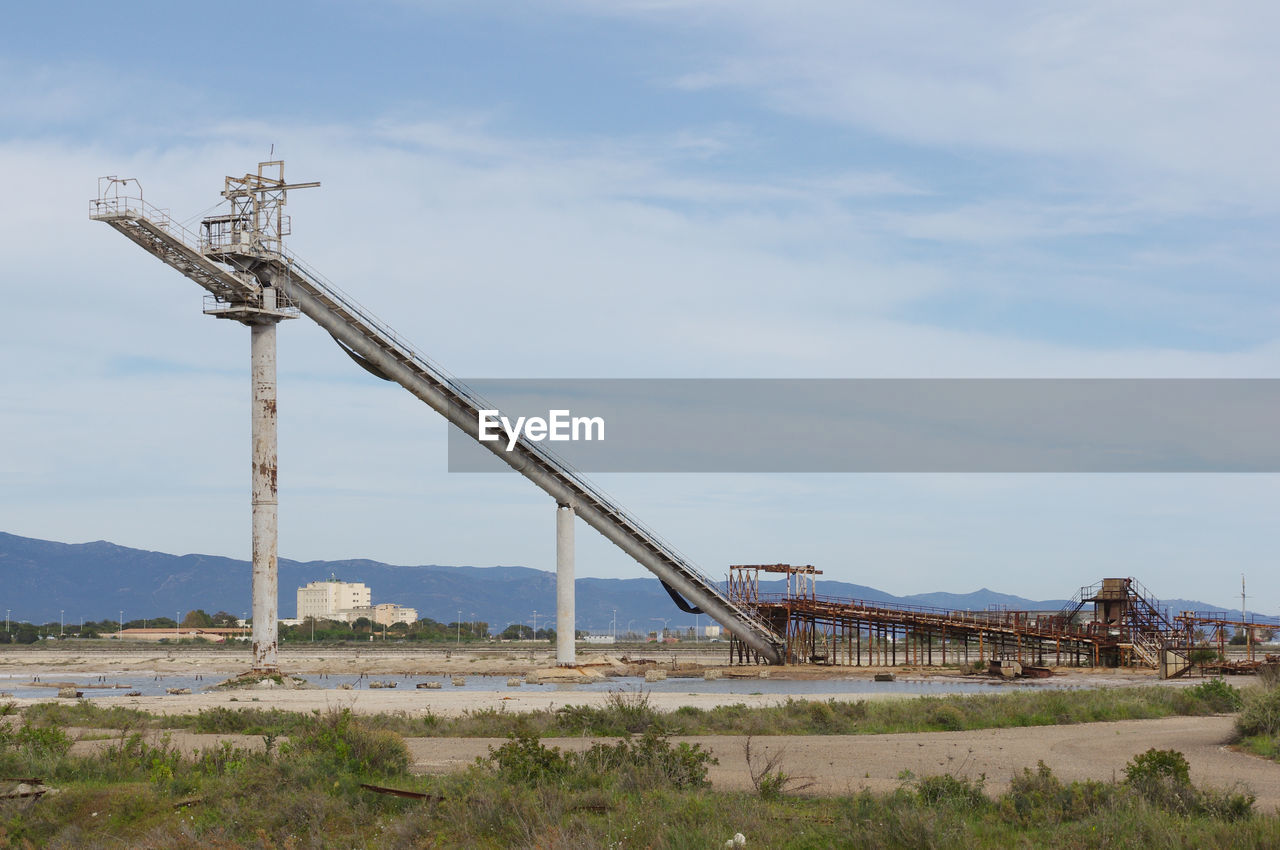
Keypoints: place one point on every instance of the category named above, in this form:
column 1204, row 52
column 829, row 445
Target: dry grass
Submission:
column 143, row 793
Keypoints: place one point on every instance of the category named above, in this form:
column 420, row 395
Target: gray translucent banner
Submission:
column 881, row 425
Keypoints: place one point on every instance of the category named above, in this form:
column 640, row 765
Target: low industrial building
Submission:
column 346, row 602
column 386, row 614
column 213, row 635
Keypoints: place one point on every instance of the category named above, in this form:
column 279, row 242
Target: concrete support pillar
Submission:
column 566, row 655
column 265, row 578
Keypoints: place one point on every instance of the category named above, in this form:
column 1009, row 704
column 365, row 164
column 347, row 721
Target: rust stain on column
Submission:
column 265, row 519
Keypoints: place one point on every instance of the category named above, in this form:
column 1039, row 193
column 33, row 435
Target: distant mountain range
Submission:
column 40, row 578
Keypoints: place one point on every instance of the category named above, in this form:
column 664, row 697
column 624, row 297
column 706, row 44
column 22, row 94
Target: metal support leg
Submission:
column 565, row 615
column 265, row 579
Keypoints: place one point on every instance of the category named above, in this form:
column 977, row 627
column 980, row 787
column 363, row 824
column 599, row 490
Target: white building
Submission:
column 388, row 614
column 330, row 600
column 347, row 602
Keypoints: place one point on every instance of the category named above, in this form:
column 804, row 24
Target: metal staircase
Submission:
column 1146, row 611
column 255, row 269
column 1145, row 631
column 1146, row 647
column 1074, row 605
column 1152, row 634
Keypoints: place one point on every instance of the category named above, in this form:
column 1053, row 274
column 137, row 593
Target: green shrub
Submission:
column 31, row 750
column 1163, row 778
column 337, row 740
column 952, row 791
column 649, row 761
column 947, row 717
column 773, row 785
column 225, row 759
column 42, row 740
column 1158, row 765
column 86, row 713
column 624, row 713
column 130, row 758
column 1232, row 805
column 524, row 758
column 246, row 721
column 1260, row 714
column 822, row 717
column 1217, row 695
column 1040, row 797
column 632, row 711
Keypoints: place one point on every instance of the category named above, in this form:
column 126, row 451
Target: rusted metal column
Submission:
column 265, row 580
column 566, row 655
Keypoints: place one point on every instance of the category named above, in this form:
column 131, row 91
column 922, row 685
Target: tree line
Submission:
column 318, row 629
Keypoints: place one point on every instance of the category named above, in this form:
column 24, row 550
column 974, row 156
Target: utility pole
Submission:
column 122, row 620
column 459, row 629
column 1244, row 619
column 535, row 625
column 62, row 622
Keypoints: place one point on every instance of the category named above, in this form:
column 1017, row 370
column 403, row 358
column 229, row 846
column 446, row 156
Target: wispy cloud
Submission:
column 1177, row 91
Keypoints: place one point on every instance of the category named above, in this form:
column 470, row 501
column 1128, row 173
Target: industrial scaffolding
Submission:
column 1128, row 627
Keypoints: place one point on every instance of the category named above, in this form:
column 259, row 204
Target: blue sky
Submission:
column 647, row 189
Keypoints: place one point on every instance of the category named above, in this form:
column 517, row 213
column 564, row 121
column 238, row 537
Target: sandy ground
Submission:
column 845, row 764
